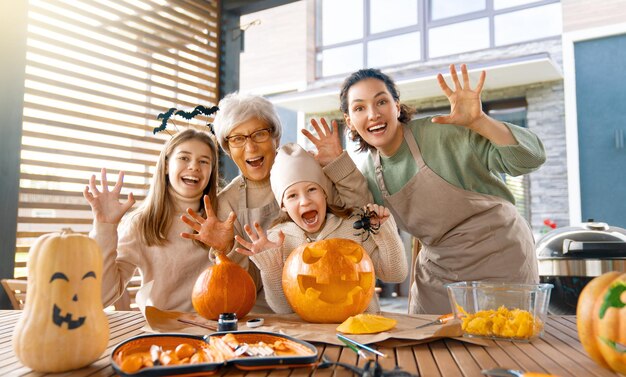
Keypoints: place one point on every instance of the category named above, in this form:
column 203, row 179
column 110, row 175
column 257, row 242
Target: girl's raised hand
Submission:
column 465, row 105
column 210, row 231
column 259, row 242
column 382, row 214
column 327, row 141
column 105, row 205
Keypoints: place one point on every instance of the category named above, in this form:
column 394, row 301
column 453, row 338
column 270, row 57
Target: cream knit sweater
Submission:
column 384, row 248
column 173, row 267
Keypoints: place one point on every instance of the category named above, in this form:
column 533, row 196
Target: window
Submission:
column 394, row 50
column 336, row 27
column 467, row 36
column 376, row 33
column 388, row 15
column 448, row 8
column 97, row 75
column 528, row 24
column 514, row 111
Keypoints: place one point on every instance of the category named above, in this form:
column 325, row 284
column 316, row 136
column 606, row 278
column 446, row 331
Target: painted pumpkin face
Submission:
column 329, row 280
column 63, row 313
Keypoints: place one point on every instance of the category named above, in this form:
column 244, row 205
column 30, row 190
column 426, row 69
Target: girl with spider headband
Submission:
column 301, row 188
column 149, row 239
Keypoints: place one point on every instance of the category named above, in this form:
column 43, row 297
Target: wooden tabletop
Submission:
column 558, row 352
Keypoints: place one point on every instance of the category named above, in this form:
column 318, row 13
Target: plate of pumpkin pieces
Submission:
column 183, row 354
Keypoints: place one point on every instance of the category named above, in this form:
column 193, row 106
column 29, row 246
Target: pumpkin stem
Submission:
column 66, row 231
column 220, row 257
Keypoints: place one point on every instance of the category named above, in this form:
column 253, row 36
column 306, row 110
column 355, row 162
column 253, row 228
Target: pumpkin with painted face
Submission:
column 601, row 320
column 329, row 280
column 63, row 325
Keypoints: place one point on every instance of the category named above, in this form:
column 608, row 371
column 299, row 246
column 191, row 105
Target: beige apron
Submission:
column 265, row 216
column 465, row 235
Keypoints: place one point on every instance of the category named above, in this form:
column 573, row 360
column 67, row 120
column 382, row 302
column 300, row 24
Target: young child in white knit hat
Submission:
column 301, row 189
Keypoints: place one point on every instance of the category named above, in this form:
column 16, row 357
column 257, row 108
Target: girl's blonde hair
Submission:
column 153, row 218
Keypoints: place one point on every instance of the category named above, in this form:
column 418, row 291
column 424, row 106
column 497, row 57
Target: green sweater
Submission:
column 461, row 157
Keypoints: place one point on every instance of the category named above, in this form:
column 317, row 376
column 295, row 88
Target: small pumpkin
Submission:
column 63, row 325
column 223, row 288
column 601, row 320
column 328, row 281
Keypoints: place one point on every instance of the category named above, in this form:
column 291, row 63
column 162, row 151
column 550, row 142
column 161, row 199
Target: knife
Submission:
column 439, row 321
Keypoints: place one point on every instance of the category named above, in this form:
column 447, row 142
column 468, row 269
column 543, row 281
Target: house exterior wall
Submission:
column 585, row 14
column 277, row 50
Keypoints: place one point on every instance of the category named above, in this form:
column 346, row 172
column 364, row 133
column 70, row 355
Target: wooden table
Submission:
column 558, row 352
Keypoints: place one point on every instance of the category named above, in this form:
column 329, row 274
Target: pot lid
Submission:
column 587, row 240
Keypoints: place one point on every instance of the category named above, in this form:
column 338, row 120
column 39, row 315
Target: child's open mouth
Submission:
column 309, row 217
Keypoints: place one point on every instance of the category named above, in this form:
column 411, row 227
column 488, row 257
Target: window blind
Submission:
column 98, row 73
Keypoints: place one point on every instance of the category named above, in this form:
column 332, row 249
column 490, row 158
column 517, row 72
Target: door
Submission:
column 601, row 109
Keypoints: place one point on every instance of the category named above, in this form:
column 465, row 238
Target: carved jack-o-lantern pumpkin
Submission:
column 328, row 281
column 63, row 325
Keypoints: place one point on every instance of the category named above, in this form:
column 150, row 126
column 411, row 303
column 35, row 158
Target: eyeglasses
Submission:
column 259, row 136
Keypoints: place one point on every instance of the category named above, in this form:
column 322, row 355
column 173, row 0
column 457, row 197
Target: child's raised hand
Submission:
column 327, row 141
column 210, row 231
column 259, row 242
column 382, row 213
column 105, row 204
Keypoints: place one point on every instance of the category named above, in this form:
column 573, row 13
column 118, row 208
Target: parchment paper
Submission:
column 405, row 332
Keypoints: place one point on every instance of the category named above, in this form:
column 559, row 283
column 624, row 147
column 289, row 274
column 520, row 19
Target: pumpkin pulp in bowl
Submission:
column 500, row 310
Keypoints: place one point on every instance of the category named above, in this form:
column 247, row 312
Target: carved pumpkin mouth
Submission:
column 336, row 290
column 58, row 320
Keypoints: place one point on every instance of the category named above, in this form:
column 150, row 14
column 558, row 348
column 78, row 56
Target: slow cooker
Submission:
column 570, row 257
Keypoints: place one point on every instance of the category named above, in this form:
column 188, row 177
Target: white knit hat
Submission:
column 292, row 165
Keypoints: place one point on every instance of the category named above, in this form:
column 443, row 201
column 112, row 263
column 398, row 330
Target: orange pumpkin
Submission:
column 329, row 280
column 63, row 326
column 601, row 320
column 223, row 288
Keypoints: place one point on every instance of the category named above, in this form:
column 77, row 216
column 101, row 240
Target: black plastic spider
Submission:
column 364, row 223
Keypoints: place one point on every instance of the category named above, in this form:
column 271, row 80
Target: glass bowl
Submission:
column 500, row 310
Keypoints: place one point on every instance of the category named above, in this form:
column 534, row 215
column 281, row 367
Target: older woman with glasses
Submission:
column 248, row 129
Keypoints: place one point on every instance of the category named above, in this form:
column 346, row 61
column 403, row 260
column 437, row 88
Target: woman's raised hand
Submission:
column 259, row 243
column 466, row 109
column 327, row 141
column 465, row 105
column 210, row 231
column 105, row 205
